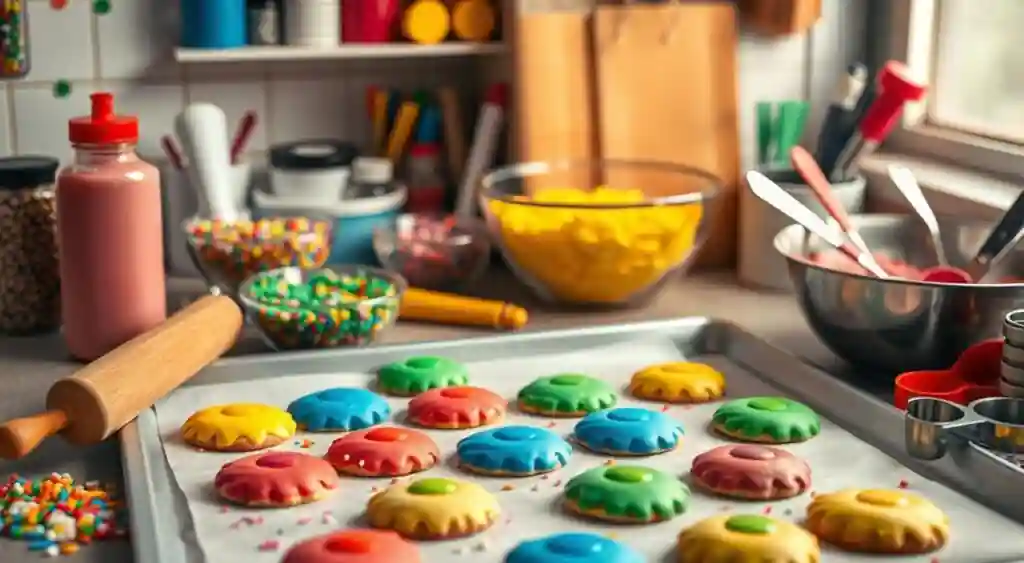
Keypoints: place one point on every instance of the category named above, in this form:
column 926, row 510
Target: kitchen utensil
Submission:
column 1002, row 240
column 932, row 426
column 1013, row 328
column 804, row 163
column 242, row 135
column 890, row 326
column 774, row 195
column 95, row 402
column 907, row 184
column 974, row 375
column 203, row 132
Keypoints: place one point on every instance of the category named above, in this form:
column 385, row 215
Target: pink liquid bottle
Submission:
column 110, row 235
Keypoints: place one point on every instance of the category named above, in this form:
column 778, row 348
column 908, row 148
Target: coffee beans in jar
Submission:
column 29, row 270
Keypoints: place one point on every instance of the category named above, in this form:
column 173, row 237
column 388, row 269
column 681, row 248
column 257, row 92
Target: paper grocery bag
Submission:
column 666, row 83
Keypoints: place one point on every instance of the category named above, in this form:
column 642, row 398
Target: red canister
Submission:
column 369, row 21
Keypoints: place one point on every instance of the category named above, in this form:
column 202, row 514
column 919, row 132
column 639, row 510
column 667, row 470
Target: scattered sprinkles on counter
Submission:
column 54, row 514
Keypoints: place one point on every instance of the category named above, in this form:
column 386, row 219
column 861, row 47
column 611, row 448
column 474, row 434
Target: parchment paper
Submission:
column 532, row 508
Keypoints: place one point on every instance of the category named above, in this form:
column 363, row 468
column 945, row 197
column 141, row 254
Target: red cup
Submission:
column 975, row 375
column 369, row 21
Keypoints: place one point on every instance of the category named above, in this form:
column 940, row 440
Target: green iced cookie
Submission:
column 771, row 420
column 567, row 394
column 420, row 373
column 626, row 493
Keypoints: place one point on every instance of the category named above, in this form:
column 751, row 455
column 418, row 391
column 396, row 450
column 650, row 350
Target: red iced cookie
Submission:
column 384, row 451
column 751, row 472
column 456, row 407
column 354, row 546
column 276, row 479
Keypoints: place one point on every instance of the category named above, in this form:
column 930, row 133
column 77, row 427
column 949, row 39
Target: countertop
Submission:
column 29, row 365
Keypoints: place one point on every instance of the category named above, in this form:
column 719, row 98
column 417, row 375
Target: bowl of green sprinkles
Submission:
column 330, row 307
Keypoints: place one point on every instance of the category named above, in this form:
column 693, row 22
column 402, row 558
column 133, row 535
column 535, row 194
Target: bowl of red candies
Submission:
column 229, row 252
column 434, row 251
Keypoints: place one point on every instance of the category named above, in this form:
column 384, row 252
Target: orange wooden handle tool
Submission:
column 447, row 308
column 20, row 436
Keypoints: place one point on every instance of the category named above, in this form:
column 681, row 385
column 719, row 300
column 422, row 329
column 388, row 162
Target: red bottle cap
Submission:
column 103, row 127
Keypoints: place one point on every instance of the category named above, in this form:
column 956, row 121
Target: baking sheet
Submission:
column 838, row 460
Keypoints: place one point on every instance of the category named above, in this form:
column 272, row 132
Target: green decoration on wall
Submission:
column 101, row 7
column 61, row 89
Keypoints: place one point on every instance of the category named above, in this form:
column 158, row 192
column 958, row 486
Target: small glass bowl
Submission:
column 281, row 304
column 604, row 232
column 227, row 253
column 434, row 251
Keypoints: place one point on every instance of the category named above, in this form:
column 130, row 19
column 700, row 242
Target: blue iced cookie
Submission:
column 514, row 451
column 339, row 410
column 575, row 547
column 628, row 431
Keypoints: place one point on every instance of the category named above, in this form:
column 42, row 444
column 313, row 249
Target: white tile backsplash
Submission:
column 307, row 109
column 156, row 106
column 61, row 42
column 41, row 119
column 137, row 39
column 236, row 98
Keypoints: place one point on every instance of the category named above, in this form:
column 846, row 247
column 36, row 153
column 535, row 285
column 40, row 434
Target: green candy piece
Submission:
column 433, row 486
column 421, row 373
column 567, row 394
column 750, row 524
column 782, row 420
column 631, row 492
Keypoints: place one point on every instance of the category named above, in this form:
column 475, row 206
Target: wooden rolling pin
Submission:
column 99, row 399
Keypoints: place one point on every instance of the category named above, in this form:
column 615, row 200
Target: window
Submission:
column 969, row 51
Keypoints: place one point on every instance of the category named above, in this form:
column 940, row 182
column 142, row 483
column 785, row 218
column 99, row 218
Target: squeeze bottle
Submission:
column 110, row 234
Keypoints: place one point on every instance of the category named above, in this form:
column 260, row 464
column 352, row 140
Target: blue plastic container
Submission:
column 354, row 221
column 213, row 24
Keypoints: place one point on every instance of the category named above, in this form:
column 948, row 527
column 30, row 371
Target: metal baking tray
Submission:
column 158, row 507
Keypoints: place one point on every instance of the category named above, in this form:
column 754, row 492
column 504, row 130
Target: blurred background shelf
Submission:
column 354, row 51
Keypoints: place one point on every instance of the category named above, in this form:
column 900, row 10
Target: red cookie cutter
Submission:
column 975, row 375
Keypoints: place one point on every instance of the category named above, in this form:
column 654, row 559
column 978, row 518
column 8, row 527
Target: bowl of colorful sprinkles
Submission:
column 229, row 252
column 605, row 232
column 302, row 309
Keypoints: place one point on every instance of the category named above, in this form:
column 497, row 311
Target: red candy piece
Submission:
column 456, row 407
column 354, row 546
column 383, row 451
column 975, row 375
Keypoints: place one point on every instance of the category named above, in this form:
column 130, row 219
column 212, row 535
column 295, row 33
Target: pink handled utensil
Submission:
column 804, row 163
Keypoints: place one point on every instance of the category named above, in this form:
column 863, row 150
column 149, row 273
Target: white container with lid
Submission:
column 314, row 170
column 312, row 23
column 371, row 176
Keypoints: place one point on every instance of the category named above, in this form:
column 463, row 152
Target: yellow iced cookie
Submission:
column 433, row 508
column 746, row 537
column 241, row 427
column 678, row 382
column 878, row 521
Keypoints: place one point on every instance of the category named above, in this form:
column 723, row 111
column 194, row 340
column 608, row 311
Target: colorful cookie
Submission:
column 628, row 431
column 339, row 410
column 568, row 395
column 626, row 494
column 275, row 479
column 456, row 407
column 878, row 521
column 354, row 546
column 242, row 427
column 769, row 420
column 514, row 451
column 573, row 548
column 384, row 451
column 421, row 373
column 434, row 508
column 751, row 472
column 746, row 537
column 678, row 382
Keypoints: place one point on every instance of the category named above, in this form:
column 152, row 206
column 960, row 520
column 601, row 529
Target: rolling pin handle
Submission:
column 20, row 436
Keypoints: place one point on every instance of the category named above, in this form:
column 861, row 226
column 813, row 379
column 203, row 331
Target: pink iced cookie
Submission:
column 276, row 479
column 456, row 407
column 751, row 472
column 354, row 546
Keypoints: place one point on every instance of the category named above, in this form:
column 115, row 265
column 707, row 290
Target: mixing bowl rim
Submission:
column 479, row 233
column 399, row 282
column 881, row 218
column 192, row 239
column 537, row 167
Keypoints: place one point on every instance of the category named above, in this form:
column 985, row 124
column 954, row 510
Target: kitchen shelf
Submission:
column 351, row 51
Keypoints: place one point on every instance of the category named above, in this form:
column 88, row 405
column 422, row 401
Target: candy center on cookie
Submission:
column 755, row 453
column 385, row 435
column 348, row 544
column 628, row 474
column 570, row 380
column 275, row 461
column 578, row 545
column 515, row 434
column 750, row 524
column 236, row 410
column 433, row 486
column 629, row 415
column 425, row 362
column 882, row 498
column 767, row 404
column 456, row 393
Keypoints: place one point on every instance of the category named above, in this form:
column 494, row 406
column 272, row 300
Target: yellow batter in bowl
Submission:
column 594, row 248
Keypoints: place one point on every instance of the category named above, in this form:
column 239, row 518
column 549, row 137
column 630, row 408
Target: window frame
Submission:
column 912, row 39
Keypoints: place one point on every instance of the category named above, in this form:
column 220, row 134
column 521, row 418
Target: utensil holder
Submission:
column 760, row 266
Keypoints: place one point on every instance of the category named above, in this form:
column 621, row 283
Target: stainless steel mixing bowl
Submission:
column 892, row 326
